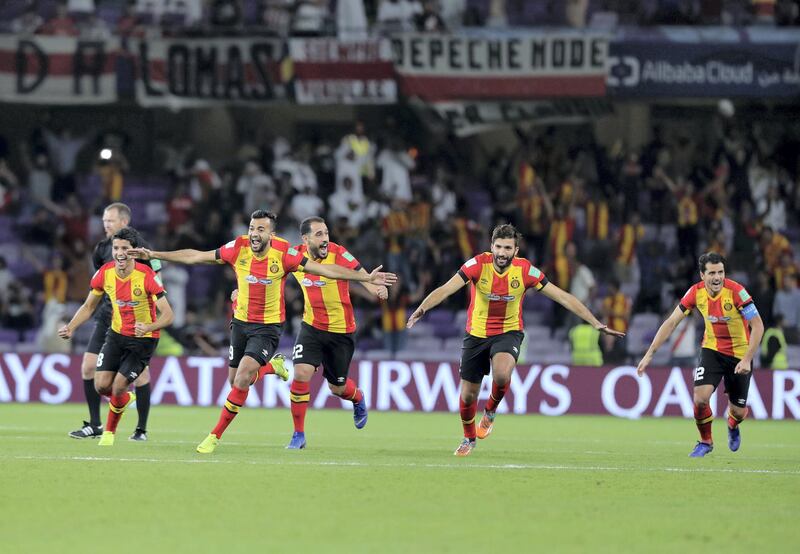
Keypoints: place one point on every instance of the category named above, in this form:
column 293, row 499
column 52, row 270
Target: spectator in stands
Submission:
column 111, row 166
column 225, row 13
column 583, row 285
column 576, row 13
column 18, row 310
column 9, row 187
column 347, row 203
column 75, row 218
column 773, row 346
column 55, row 281
column 683, row 344
column 257, row 188
column 203, row 182
column 787, row 305
column 310, row 17
column 442, row 197
column 305, row 204
column 94, row 28
column 6, row 278
column 627, row 239
column 396, row 165
column 63, row 149
column 773, row 210
column 394, row 314
column 764, row 295
column 61, row 24
column 301, row 176
column 28, row 23
column 616, row 310
column 351, row 20
column 429, row 20
column 397, row 15
column 79, row 270
column 40, row 229
column 80, row 7
column 179, row 206
column 363, row 148
column 773, row 245
column 40, row 180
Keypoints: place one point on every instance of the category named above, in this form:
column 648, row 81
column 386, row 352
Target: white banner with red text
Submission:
column 416, row 386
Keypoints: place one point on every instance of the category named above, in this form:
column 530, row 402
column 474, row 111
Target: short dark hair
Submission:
column 122, row 209
column 130, row 234
column 305, row 225
column 506, row 231
column 264, row 214
column 710, row 258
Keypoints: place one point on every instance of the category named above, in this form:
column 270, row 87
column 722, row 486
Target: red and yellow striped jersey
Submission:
column 617, row 309
column 261, row 280
column 133, row 299
column 495, row 305
column 597, row 219
column 327, row 301
column 727, row 330
column 629, row 235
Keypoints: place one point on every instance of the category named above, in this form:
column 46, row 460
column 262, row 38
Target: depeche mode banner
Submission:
column 685, row 70
column 57, row 70
column 498, row 65
column 330, row 71
column 420, row 386
column 180, row 73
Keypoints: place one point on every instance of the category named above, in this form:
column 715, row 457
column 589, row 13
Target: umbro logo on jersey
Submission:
column 265, row 353
column 515, row 349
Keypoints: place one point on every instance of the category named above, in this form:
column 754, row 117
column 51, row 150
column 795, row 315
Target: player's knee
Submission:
column 102, row 389
column 700, row 402
column 502, row 380
column 468, row 397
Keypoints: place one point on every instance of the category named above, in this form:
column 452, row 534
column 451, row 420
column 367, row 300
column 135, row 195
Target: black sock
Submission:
column 93, row 401
column 143, row 405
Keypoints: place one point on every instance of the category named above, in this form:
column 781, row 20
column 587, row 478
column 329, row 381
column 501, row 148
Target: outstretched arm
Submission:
column 81, row 316
column 661, row 337
column 187, row 256
column 435, row 298
column 577, row 307
column 333, row 271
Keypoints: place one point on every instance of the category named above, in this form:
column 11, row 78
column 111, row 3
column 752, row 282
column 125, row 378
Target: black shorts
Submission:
column 128, row 356
column 477, row 353
column 101, row 327
column 333, row 351
column 257, row 340
column 714, row 367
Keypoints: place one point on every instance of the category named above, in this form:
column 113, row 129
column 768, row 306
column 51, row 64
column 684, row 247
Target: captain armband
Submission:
column 750, row 311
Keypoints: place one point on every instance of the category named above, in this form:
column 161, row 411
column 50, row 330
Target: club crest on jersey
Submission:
column 499, row 297
column 515, row 283
column 274, row 268
column 137, row 291
column 728, row 306
column 309, row 283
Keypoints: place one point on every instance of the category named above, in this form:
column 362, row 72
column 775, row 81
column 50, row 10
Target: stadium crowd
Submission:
column 619, row 227
column 99, row 19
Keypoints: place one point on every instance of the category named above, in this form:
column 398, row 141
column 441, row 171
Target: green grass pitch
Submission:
column 537, row 484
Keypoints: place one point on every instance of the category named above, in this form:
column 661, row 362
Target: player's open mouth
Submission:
column 255, row 241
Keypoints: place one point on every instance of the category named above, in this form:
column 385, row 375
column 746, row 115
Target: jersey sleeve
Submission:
column 471, row 270
column 96, row 283
column 152, row 286
column 293, row 260
column 744, row 303
column 689, row 300
column 346, row 259
column 533, row 277
column 228, row 252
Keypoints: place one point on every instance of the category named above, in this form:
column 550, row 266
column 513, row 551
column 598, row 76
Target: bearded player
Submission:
column 494, row 333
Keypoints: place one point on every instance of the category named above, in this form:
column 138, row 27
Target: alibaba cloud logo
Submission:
column 623, row 71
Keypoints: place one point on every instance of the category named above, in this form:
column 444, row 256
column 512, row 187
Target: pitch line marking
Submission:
column 540, row 467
